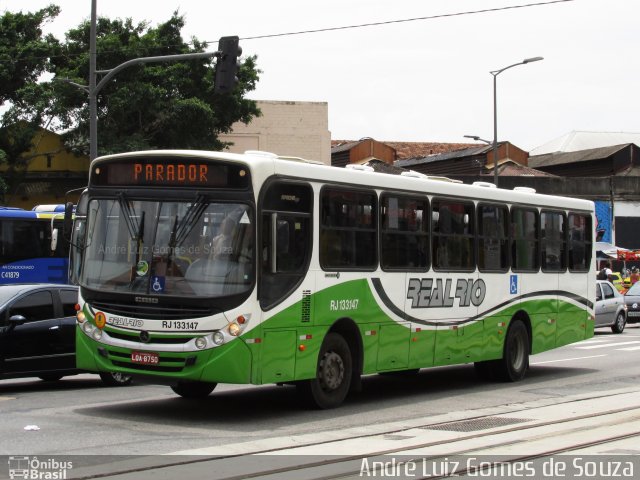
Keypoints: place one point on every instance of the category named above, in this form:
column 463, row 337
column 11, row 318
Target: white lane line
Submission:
column 569, row 359
column 616, row 344
column 629, row 349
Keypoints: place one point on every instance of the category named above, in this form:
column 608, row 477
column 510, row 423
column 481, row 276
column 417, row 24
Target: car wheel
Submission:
column 619, row 324
column 50, row 378
column 194, row 389
column 115, row 379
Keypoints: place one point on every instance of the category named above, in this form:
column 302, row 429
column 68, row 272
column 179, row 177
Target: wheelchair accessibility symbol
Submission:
column 513, row 285
column 157, row 284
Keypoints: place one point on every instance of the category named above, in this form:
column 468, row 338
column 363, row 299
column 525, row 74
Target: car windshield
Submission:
column 635, row 289
column 190, row 248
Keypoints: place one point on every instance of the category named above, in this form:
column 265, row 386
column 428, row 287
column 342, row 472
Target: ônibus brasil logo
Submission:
column 32, row 468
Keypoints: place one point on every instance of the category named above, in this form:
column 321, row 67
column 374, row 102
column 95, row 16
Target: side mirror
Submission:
column 16, row 320
column 67, row 225
column 54, row 239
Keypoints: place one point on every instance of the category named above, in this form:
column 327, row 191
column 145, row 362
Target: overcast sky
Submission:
column 425, row 80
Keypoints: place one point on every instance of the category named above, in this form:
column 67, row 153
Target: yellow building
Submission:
column 51, row 171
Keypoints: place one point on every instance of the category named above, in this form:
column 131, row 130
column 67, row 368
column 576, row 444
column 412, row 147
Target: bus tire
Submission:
column 115, row 379
column 193, row 389
column 333, row 374
column 515, row 359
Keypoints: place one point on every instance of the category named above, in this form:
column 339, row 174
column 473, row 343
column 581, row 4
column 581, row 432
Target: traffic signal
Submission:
column 227, row 65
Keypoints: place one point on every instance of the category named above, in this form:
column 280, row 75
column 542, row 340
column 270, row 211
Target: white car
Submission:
column 610, row 308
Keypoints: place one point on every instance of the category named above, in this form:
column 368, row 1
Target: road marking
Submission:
column 616, row 344
column 629, row 349
column 569, row 359
column 7, row 398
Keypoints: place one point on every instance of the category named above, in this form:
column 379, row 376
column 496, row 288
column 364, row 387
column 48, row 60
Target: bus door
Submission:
column 285, row 290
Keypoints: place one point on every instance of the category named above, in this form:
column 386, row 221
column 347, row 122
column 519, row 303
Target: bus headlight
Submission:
column 96, row 334
column 88, row 328
column 218, row 338
column 80, row 316
column 201, row 343
column 234, row 329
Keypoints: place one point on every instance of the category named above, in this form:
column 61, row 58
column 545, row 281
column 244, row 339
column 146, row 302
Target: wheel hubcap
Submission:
column 331, row 371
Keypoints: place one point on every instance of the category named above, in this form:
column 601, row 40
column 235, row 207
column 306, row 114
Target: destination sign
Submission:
column 169, row 172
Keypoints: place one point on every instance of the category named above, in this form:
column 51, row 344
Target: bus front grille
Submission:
column 154, row 338
column 153, row 313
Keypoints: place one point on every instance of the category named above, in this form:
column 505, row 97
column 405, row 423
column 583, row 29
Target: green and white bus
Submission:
column 199, row 268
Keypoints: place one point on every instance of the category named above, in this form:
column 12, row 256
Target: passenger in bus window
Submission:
column 222, row 243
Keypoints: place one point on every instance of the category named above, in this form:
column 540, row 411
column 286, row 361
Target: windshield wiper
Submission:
column 182, row 230
column 140, row 237
column 134, row 230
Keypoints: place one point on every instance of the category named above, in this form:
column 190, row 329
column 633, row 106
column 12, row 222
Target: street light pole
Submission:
column 495, row 74
column 93, row 106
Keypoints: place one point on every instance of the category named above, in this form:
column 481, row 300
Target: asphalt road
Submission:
column 79, row 416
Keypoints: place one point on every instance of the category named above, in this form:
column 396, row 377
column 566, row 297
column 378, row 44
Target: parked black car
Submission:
column 37, row 333
column 632, row 299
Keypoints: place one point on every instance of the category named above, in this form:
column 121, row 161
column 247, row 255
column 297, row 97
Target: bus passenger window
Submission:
column 404, row 240
column 553, row 241
column 453, row 239
column 580, row 241
column 493, row 238
column 348, row 229
column 524, row 239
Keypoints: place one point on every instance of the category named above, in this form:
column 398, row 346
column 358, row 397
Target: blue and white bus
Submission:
column 30, row 251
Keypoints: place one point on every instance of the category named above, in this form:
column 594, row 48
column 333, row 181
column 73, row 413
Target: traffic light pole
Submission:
column 93, row 92
column 229, row 48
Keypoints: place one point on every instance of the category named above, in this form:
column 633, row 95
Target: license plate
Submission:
column 634, row 314
column 145, row 358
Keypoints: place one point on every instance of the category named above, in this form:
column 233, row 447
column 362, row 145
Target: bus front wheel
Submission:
column 193, row 389
column 333, row 374
column 115, row 379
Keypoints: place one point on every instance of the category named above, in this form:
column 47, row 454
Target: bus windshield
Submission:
column 192, row 248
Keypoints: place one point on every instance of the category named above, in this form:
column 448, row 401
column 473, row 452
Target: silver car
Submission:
column 610, row 309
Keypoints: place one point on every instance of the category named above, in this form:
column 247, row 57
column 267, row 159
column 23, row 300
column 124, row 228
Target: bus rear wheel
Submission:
column 333, row 374
column 515, row 359
column 193, row 389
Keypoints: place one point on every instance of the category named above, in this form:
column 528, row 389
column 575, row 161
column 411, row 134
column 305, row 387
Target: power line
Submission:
column 348, row 27
column 405, row 20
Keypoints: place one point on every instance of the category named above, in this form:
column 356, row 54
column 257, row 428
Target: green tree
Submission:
column 24, row 57
column 160, row 105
